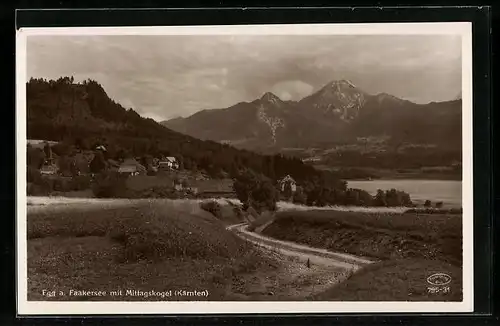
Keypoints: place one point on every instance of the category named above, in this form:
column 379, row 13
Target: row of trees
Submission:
column 259, row 192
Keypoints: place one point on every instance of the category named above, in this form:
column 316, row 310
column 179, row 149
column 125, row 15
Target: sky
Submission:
column 167, row 76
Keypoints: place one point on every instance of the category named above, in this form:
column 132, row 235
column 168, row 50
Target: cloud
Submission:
column 292, row 89
column 168, row 76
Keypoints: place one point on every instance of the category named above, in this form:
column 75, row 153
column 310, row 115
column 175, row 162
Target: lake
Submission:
column 447, row 191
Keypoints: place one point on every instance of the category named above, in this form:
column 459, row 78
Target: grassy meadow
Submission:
column 409, row 247
column 396, row 280
column 143, row 245
column 375, row 235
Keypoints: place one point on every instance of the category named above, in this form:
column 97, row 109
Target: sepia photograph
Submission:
column 240, row 169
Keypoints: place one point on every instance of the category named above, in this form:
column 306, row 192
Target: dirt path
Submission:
column 303, row 253
column 294, row 279
column 297, row 279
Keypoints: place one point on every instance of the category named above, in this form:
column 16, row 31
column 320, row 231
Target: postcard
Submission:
column 309, row 168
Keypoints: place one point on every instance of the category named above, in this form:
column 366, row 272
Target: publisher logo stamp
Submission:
column 439, row 279
column 439, row 283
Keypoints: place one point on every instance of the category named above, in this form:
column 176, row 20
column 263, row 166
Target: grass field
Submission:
column 409, row 247
column 396, row 280
column 376, row 235
column 144, row 245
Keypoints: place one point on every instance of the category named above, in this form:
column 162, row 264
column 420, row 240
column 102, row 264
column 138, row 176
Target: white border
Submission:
column 25, row 307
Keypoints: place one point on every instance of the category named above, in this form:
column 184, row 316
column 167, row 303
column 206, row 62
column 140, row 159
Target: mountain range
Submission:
column 339, row 112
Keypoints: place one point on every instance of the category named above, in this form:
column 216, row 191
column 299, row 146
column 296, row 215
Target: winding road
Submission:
column 315, row 256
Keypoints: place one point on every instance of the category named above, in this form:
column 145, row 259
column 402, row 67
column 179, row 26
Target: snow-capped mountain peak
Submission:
column 339, row 98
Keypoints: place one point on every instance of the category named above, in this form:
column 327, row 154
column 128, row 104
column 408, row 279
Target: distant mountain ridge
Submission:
column 338, row 112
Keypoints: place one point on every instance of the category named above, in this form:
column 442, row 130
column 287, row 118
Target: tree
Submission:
column 35, row 157
column 380, row 199
column 256, row 191
column 299, row 197
column 122, row 154
column 65, row 165
column 81, row 144
column 62, row 148
column 109, row 186
column 48, row 151
column 287, row 191
column 147, row 161
column 98, row 163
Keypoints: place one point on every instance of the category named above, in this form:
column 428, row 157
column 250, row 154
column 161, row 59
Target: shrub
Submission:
column 358, row 197
column 439, row 204
column 110, row 185
column 61, row 184
column 43, row 186
column 81, row 182
column 392, row 198
column 427, row 203
column 36, row 190
column 211, row 206
column 154, row 192
column 430, row 210
column 397, row 198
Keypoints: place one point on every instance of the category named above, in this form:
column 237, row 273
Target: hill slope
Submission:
column 83, row 115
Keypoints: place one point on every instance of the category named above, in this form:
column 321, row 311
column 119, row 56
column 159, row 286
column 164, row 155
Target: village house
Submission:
column 168, row 163
column 287, row 180
column 113, row 165
column 37, row 143
column 100, row 148
column 49, row 169
column 131, row 167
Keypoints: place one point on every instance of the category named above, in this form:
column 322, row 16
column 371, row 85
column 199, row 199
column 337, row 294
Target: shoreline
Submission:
column 404, row 177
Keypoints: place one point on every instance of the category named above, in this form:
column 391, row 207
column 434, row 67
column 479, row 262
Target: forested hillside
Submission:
column 82, row 115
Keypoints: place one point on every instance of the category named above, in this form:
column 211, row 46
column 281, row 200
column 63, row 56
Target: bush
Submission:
column 212, row 207
column 158, row 192
column 358, row 197
column 37, row 190
column 397, row 198
column 110, row 185
column 430, row 210
column 61, row 184
column 81, row 182
column 427, row 203
column 392, row 198
column 46, row 185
